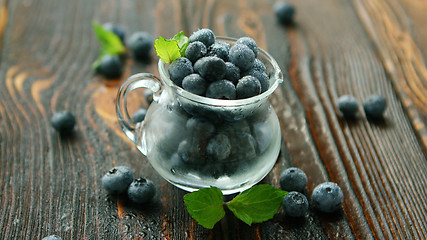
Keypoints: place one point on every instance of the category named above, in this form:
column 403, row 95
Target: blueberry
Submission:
column 375, row 106
column 116, row 29
column 210, row 68
column 52, row 237
column 219, row 147
column 348, row 105
column 141, row 45
column 179, row 69
column 220, row 50
column 295, row 204
column 206, row 36
column 117, row 180
column 327, row 197
column 194, row 83
column 111, row 67
column 258, row 65
column 222, row 89
column 63, row 121
column 141, row 190
column 242, row 56
column 192, row 151
column 148, row 95
column 195, row 50
column 284, row 12
column 139, row 115
column 214, row 170
column 250, row 43
column 262, row 78
column 247, row 87
column 200, row 127
column 244, row 146
column 232, row 72
column 293, row 179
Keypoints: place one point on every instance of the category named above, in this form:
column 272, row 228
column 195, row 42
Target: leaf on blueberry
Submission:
column 257, row 204
column 110, row 43
column 182, row 42
column 205, row 206
column 167, row 49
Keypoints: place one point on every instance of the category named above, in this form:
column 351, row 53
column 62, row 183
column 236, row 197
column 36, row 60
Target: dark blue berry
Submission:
column 117, row 180
column 242, row 56
column 139, row 115
column 200, row 127
column 244, row 146
column 192, row 151
column 262, row 78
column 116, row 29
column 141, row 191
column 194, row 83
column 219, row 147
column 148, row 95
column 250, row 43
column 222, row 89
column 52, row 237
column 232, row 72
column 210, row 68
column 247, row 87
column 258, row 65
column 295, row 204
column 327, row 197
column 206, row 36
column 111, row 67
column 141, row 45
column 195, row 51
column 179, row 69
column 63, row 121
column 220, row 50
column 285, row 12
column 375, row 106
column 348, row 105
column 293, row 179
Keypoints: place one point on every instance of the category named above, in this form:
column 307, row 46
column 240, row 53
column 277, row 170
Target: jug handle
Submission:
column 140, row 80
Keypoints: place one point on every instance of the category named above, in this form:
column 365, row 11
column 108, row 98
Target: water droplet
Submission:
column 169, row 107
column 173, row 171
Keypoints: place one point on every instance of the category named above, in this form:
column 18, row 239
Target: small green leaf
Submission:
column 167, row 50
column 257, row 204
column 182, row 42
column 205, row 206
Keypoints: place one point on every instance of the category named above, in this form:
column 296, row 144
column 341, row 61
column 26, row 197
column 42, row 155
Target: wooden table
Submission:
column 51, row 184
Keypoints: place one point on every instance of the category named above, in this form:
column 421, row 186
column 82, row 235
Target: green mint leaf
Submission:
column 110, row 43
column 205, row 206
column 167, row 50
column 257, row 204
column 182, row 42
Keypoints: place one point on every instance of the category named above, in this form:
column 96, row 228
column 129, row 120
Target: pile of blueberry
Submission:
column 215, row 69
column 326, row 197
column 374, row 106
column 119, row 180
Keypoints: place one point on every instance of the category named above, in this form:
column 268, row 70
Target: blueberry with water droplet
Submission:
column 141, row 190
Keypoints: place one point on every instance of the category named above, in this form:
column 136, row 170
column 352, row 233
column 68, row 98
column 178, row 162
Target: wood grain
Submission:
column 50, row 184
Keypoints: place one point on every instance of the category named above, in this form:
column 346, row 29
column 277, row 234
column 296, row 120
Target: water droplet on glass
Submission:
column 173, row 171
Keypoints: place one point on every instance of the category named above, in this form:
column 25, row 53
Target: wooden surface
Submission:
column 51, row 184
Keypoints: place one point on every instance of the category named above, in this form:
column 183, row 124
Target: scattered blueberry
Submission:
column 262, row 78
column 247, row 87
column 139, row 115
column 375, row 106
column 242, row 56
column 348, row 105
column 63, row 121
column 327, row 197
column 141, row 45
column 250, row 43
column 117, row 180
column 293, row 179
column 141, row 190
column 232, row 72
column 258, row 65
column 111, row 67
column 285, row 12
column 222, row 89
column 219, row 147
column 52, row 237
column 206, row 36
column 148, row 95
column 295, row 204
column 195, row 51
column 194, row 83
column 179, row 69
column 210, row 68
column 220, row 50
column 116, row 29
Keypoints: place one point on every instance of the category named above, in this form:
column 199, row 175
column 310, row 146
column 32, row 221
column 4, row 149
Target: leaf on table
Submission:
column 167, row 50
column 205, row 206
column 257, row 204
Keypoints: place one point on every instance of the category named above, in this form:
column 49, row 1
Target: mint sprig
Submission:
column 255, row 205
column 171, row 49
column 110, row 43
